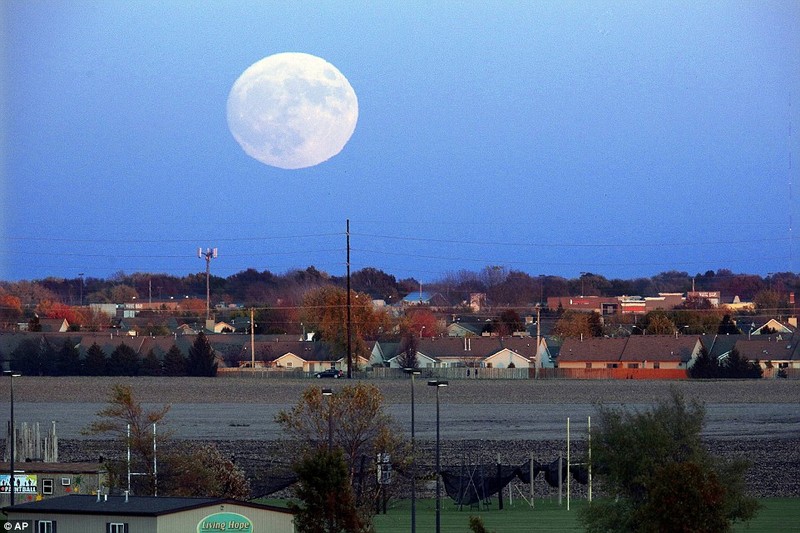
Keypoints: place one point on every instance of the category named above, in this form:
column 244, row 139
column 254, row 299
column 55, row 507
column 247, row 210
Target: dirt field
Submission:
column 244, row 409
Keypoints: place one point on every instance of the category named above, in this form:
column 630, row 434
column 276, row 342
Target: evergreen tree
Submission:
column 124, row 361
column 33, row 358
column 174, row 362
column 151, row 366
column 95, row 362
column 202, row 361
column 68, row 359
column 738, row 367
column 728, row 327
column 327, row 503
column 705, row 366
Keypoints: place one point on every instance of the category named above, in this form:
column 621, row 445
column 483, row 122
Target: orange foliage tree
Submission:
column 325, row 310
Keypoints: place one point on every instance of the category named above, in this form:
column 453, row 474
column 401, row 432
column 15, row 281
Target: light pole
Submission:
column 438, row 383
column 12, row 451
column 328, row 392
column 413, row 372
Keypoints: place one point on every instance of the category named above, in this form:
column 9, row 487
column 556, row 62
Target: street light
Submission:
column 413, row 372
column 438, row 383
column 328, row 392
column 12, row 375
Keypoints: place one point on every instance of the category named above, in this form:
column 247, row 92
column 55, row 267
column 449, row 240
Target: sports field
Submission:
column 776, row 515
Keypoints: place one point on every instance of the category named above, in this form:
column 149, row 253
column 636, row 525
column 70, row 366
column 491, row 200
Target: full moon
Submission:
column 292, row 110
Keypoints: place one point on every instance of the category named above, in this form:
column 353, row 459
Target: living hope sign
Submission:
column 216, row 522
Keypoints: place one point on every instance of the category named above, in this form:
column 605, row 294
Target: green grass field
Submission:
column 776, row 515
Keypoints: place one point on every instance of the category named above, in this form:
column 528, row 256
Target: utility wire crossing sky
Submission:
column 623, row 139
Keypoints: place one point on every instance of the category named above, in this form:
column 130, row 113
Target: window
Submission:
column 47, row 486
column 633, row 365
column 656, row 365
column 45, row 526
column 588, row 365
column 116, row 527
column 289, row 364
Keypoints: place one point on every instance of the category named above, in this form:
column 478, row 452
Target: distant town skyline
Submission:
column 550, row 138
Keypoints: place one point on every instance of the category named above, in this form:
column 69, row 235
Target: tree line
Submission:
column 502, row 286
column 39, row 357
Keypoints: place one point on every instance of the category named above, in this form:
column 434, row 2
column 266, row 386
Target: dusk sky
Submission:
column 619, row 138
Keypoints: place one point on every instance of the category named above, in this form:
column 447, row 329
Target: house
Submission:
column 592, row 352
column 774, row 352
column 39, row 480
column 434, row 300
column 464, row 329
column 54, row 325
column 486, row 352
column 78, row 513
column 772, row 326
column 659, row 352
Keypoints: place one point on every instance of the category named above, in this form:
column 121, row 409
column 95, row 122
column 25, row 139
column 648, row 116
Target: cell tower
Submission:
column 209, row 254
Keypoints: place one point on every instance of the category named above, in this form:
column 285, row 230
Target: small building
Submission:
column 37, row 480
column 121, row 514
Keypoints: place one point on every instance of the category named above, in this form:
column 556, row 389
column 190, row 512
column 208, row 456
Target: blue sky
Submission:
column 619, row 138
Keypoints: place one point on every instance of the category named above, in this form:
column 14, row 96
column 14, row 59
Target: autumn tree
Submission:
column 126, row 421
column 360, row 428
column 325, row 311
column 202, row 360
column 578, row 323
column 419, row 321
column 509, row 322
column 658, row 323
column 201, row 470
column 183, row 470
column 769, row 300
column 10, row 310
column 661, row 446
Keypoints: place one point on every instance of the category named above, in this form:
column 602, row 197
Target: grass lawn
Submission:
column 777, row 514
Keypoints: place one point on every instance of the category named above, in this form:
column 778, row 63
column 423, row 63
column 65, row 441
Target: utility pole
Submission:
column 252, row 342
column 349, row 322
column 209, row 254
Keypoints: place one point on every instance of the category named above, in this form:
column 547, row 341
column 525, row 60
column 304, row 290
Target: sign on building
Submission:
column 23, row 484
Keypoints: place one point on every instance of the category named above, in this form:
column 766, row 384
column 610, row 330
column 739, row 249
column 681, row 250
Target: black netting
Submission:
column 470, row 484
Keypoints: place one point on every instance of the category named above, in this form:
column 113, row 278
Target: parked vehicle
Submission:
column 329, row 373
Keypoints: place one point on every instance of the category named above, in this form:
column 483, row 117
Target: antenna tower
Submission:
column 209, row 254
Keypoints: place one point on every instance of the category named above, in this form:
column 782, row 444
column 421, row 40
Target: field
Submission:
column 480, row 419
column 777, row 514
column 244, row 409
